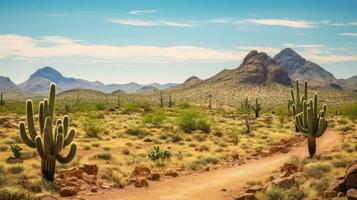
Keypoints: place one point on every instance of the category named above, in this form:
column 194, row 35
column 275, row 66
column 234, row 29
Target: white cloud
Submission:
column 142, row 12
column 269, row 50
column 353, row 23
column 279, row 22
column 348, row 34
column 139, row 22
column 24, row 47
column 304, row 45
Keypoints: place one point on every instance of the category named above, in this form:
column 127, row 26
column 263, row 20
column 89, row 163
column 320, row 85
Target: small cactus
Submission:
column 119, row 101
column 210, row 101
column 171, row 103
column 257, row 108
column 311, row 122
column 68, row 107
column 48, row 143
column 2, row 101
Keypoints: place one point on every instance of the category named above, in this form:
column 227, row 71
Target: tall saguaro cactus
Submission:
column 257, row 108
column 2, row 101
column 210, row 101
column 48, row 143
column 171, row 103
column 161, row 99
column 297, row 101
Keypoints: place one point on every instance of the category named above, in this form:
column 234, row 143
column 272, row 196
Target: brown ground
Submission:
column 209, row 185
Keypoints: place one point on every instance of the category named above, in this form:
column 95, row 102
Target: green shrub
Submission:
column 155, row 118
column 192, row 120
column 184, row 105
column 234, row 136
column 100, row 106
column 93, row 128
column 322, row 185
column 13, row 193
column 349, row 110
column 3, row 147
column 201, row 163
column 146, row 107
column 276, row 193
column 130, row 108
column 137, row 132
column 105, row 155
column 316, row 170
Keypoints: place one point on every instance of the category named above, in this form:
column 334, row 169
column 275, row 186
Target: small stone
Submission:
column 105, row 186
column 154, row 177
column 68, row 191
column 246, row 196
column 351, row 194
column 172, row 174
column 141, row 183
column 284, row 182
column 94, row 189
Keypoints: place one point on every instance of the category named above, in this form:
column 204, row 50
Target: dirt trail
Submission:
column 209, row 185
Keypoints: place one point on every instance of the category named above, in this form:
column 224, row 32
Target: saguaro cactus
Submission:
column 171, row 103
column 210, row 101
column 48, row 143
column 161, row 99
column 257, row 108
column 119, row 101
column 298, row 102
column 311, row 122
column 2, row 101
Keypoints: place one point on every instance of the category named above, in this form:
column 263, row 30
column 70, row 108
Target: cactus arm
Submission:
column 305, row 92
column 24, row 136
column 65, row 125
column 48, row 136
column 52, row 100
column 39, row 148
column 69, row 137
column 30, row 123
column 59, row 142
column 315, row 113
column 299, row 125
column 41, row 113
column 69, row 157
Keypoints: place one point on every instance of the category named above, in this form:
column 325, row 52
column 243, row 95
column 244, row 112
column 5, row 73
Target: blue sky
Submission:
column 170, row 40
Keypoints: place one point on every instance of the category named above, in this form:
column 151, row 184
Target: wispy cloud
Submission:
column 348, row 34
column 279, row 22
column 140, row 22
column 292, row 45
column 56, row 15
column 142, row 12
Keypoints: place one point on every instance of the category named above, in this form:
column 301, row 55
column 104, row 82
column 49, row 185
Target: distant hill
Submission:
column 147, row 88
column 39, row 81
column 190, row 82
column 6, row 83
column 350, row 83
column 301, row 69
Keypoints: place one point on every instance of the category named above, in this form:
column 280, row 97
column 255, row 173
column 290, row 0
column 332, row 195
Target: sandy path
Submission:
column 209, row 185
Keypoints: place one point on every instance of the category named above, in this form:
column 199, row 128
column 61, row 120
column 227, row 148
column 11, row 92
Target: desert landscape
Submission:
column 275, row 126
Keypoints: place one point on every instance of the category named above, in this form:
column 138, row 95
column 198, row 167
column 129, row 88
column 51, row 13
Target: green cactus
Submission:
column 290, row 106
column 257, row 108
column 48, row 143
column 171, row 103
column 311, row 122
column 245, row 105
column 2, row 101
column 298, row 101
column 210, row 101
column 161, row 99
column 119, row 101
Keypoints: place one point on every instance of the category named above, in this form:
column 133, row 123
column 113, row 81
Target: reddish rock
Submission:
column 246, row 196
column 284, row 182
column 64, row 174
column 141, row 183
column 289, row 168
column 351, row 177
column 254, row 189
column 68, row 191
column 154, row 177
column 94, row 189
column 90, row 169
column 351, row 194
column 141, row 171
column 172, row 174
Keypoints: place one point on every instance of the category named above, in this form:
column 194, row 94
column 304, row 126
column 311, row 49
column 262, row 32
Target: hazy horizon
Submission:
column 169, row 41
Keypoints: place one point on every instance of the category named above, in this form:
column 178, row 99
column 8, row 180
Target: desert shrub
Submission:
column 316, row 170
column 322, row 185
column 9, row 141
column 234, row 136
column 192, row 120
column 130, row 108
column 349, row 110
column 146, row 107
column 137, row 132
column 157, row 154
column 276, row 193
column 155, row 118
column 105, row 155
column 175, row 138
column 16, row 150
column 15, row 169
column 13, row 193
column 342, row 121
column 93, row 128
column 3, row 147
column 184, row 105
column 200, row 163
column 100, row 106
column 341, row 163
column 125, row 151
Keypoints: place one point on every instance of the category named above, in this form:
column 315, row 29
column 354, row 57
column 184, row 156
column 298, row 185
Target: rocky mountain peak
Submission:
column 48, row 73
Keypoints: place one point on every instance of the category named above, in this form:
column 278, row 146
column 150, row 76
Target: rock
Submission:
column 44, row 196
column 64, row 174
column 289, row 168
column 255, row 189
column 172, row 174
column 90, row 179
column 351, row 194
column 90, row 169
column 284, row 182
column 336, row 186
column 154, row 177
column 68, row 191
column 246, row 196
column 94, row 189
column 105, row 186
column 141, row 171
column 141, row 183
column 350, row 179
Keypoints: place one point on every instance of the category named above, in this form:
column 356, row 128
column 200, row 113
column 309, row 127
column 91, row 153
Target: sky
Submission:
column 146, row 41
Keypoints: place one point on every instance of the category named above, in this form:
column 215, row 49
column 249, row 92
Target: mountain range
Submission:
column 257, row 68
